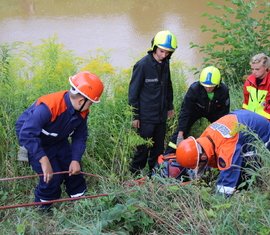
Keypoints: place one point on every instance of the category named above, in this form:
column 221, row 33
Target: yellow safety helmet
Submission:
column 165, row 40
column 210, row 76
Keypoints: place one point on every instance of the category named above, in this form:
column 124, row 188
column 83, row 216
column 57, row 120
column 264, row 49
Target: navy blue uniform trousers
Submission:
column 144, row 153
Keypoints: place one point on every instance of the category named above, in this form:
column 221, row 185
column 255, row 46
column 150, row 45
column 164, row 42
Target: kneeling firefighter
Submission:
column 227, row 145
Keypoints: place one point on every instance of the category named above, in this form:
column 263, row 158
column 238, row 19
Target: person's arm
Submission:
column 78, row 143
column 245, row 95
column 225, row 101
column 29, row 137
column 78, row 146
column 46, row 168
column 170, row 110
column 170, row 94
column 74, row 168
column 180, row 137
column 186, row 112
column 29, row 134
column 136, row 123
column 135, row 86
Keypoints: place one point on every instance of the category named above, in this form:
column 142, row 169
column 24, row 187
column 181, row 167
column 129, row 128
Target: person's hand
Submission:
column 74, row 168
column 46, row 169
column 179, row 139
column 170, row 113
column 136, row 123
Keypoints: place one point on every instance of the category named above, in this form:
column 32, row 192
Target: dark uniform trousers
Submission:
column 144, row 153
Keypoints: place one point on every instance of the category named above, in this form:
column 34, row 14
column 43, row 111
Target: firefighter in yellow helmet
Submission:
column 207, row 98
column 151, row 97
column 44, row 129
column 225, row 144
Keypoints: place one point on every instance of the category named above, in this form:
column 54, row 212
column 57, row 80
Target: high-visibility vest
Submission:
column 257, row 98
column 256, row 101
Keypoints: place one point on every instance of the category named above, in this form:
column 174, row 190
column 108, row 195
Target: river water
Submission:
column 124, row 28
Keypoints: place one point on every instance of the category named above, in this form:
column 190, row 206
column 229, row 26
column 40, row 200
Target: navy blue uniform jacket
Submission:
column 196, row 105
column 150, row 90
column 47, row 125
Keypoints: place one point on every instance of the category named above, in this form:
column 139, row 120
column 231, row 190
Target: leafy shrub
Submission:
column 236, row 36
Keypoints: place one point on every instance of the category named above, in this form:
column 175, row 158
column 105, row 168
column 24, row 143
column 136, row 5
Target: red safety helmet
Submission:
column 168, row 167
column 88, row 85
column 188, row 153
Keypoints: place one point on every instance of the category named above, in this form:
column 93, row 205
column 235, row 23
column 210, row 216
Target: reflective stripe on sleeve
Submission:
column 225, row 189
column 48, row 133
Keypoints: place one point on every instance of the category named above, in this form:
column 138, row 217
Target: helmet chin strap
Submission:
column 85, row 100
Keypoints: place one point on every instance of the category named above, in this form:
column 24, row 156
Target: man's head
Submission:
column 260, row 65
column 163, row 45
column 210, row 78
column 86, row 88
column 190, row 154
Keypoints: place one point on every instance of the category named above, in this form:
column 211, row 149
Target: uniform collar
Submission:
column 153, row 60
column 69, row 104
column 252, row 79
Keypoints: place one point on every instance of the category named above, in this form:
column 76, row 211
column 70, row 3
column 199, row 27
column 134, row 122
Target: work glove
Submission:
column 22, row 154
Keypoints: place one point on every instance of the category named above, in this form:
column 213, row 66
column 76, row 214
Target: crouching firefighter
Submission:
column 226, row 144
column 54, row 132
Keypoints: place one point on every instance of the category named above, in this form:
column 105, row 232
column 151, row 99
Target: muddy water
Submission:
column 122, row 27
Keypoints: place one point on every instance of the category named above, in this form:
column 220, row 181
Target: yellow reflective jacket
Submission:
column 257, row 98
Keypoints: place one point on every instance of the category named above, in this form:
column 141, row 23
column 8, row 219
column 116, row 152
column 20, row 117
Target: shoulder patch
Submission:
column 222, row 129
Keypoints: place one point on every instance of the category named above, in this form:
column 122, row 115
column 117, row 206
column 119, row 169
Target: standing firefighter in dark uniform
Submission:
column 151, row 96
column 208, row 98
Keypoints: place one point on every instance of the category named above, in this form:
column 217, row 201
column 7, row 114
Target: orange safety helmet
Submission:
column 188, row 153
column 88, row 85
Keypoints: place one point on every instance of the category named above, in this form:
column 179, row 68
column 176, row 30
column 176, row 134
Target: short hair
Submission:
column 261, row 58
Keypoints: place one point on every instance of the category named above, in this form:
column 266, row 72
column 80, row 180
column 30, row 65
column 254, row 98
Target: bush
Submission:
column 237, row 36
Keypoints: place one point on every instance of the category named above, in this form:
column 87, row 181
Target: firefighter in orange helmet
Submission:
column 44, row 130
column 226, row 145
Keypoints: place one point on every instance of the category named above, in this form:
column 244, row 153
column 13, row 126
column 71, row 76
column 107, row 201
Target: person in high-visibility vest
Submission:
column 227, row 145
column 256, row 88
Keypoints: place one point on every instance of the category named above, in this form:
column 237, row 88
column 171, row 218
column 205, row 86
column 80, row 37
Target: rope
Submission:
column 135, row 182
column 36, row 175
column 52, row 201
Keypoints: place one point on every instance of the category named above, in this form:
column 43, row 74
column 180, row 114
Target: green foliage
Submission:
column 51, row 67
column 99, row 64
column 236, row 36
column 4, row 62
